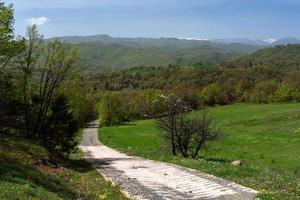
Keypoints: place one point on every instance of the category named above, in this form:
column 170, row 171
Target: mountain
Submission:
column 104, row 51
column 279, row 57
column 244, row 41
column 289, row 40
column 264, row 42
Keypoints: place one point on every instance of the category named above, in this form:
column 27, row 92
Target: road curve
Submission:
column 145, row 179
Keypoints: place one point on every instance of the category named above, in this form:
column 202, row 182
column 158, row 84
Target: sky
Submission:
column 202, row 19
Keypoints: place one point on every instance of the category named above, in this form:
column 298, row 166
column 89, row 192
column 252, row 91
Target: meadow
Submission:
column 265, row 137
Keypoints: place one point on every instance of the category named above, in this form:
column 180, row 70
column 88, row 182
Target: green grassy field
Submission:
column 25, row 173
column 265, row 137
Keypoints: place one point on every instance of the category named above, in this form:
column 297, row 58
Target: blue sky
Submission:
column 256, row 19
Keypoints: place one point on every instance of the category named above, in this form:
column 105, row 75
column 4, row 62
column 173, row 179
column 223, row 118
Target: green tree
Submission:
column 263, row 92
column 286, row 93
column 44, row 68
column 62, row 128
column 211, row 94
column 111, row 109
column 149, row 104
column 10, row 47
column 10, row 104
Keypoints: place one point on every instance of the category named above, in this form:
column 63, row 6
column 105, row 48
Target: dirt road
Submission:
column 147, row 179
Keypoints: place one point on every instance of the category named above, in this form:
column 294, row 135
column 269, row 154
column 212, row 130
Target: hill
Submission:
column 105, row 52
column 116, row 56
column 280, row 57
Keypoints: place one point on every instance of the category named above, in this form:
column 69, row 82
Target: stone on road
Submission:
column 146, row 179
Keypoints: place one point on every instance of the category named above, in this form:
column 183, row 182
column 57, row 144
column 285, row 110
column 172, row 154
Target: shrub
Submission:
column 286, row 93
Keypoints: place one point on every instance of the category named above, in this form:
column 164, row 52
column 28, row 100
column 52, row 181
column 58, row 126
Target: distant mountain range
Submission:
column 106, row 52
column 265, row 42
column 139, row 42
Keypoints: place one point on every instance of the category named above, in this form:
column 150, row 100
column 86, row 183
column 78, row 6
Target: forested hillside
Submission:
column 115, row 56
column 283, row 56
column 105, row 52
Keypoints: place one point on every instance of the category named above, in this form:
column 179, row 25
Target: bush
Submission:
column 286, row 93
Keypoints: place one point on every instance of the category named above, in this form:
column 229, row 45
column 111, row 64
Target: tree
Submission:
column 62, row 128
column 149, row 104
column 176, row 108
column 203, row 130
column 212, row 94
column 263, row 91
column 186, row 134
column 9, row 48
column 286, row 93
column 111, row 109
column 44, row 69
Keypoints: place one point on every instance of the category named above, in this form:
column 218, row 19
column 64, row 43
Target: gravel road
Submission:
column 145, row 179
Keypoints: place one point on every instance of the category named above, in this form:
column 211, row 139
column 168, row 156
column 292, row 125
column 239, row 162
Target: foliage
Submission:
column 44, row 68
column 63, row 127
column 278, row 57
column 9, row 48
column 111, row 109
column 32, row 75
column 82, row 102
column 212, row 94
column 149, row 104
column 287, row 93
column 263, row 92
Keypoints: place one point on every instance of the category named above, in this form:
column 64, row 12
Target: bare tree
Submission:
column 176, row 107
column 204, row 131
column 186, row 134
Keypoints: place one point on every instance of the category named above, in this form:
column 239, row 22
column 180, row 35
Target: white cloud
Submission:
column 199, row 39
column 270, row 41
column 39, row 21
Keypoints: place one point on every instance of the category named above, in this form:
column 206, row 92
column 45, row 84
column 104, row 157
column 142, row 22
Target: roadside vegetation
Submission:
column 38, row 81
column 26, row 172
column 42, row 107
column 264, row 137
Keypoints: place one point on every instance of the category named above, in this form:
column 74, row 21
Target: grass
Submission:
column 265, row 137
column 25, row 173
